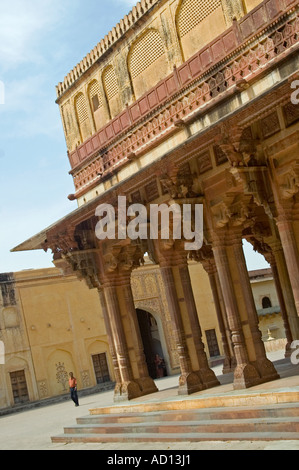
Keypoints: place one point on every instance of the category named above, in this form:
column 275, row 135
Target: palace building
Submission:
column 185, row 102
column 52, row 324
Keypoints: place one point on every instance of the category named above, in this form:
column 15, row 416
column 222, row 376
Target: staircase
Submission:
column 264, row 422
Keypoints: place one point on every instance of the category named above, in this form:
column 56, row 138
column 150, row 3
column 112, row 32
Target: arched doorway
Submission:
column 151, row 340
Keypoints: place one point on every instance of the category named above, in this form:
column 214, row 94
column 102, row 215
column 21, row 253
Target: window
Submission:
column 212, row 343
column 266, row 302
column 82, row 116
column 111, row 90
column 95, row 102
column 198, row 22
column 95, row 95
column 147, row 62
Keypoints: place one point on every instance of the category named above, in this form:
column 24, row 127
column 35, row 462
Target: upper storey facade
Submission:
column 145, row 61
column 140, row 51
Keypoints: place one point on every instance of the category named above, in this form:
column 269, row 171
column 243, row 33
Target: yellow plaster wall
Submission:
column 64, row 325
column 251, row 4
column 273, row 322
column 264, row 288
column 17, row 351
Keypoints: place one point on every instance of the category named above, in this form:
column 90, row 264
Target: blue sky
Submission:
column 40, row 42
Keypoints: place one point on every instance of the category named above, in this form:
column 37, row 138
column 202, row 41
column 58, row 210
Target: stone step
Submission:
column 174, row 437
column 283, row 410
column 274, row 422
column 278, row 425
column 236, row 400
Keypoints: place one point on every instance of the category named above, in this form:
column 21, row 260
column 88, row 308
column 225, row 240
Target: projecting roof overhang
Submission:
column 177, row 155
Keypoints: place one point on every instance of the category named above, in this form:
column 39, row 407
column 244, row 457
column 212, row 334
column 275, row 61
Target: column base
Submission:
column 266, row 370
column 134, row 389
column 190, row 383
column 207, row 378
column 245, row 376
column 147, row 385
column 256, row 373
column 126, row 391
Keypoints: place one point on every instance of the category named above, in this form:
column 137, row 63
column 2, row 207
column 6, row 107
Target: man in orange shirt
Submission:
column 73, row 389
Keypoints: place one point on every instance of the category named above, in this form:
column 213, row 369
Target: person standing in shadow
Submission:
column 159, row 363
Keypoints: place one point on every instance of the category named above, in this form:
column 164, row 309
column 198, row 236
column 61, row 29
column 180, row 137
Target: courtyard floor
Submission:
column 32, row 429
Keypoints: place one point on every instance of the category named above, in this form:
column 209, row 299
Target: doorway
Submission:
column 151, row 340
column 19, row 387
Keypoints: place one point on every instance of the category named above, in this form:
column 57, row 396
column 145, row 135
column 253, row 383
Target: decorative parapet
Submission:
column 101, row 48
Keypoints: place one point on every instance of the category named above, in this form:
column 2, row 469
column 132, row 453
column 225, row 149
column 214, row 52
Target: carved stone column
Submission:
column 245, row 374
column 110, row 342
column 284, row 291
column 128, row 388
column 210, row 268
column 207, row 376
column 265, row 367
column 141, row 375
column 115, row 266
column 288, row 240
column 195, row 371
column 286, row 324
column 189, row 382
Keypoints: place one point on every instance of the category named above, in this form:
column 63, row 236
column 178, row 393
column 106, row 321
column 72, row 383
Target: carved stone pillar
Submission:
column 110, row 341
column 290, row 249
column 286, row 324
column 210, row 268
column 127, row 389
column 245, row 374
column 265, row 367
column 116, row 262
column 189, row 382
column 195, row 371
column 141, row 374
column 284, row 292
column 207, row 376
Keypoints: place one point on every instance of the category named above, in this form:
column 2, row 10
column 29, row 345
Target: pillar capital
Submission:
column 205, row 257
column 171, row 253
column 288, row 180
column 180, row 183
column 121, row 258
column 83, row 263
